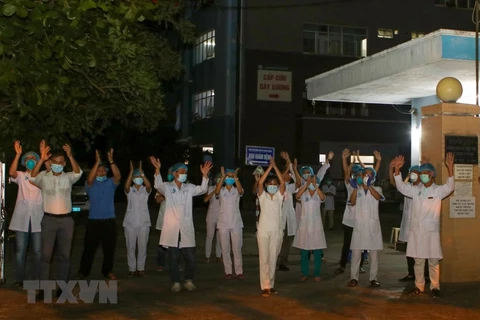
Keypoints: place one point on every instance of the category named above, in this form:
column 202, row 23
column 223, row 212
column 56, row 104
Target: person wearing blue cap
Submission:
column 102, row 223
column 367, row 232
column 161, row 251
column 27, row 216
column 310, row 235
column 230, row 223
column 137, row 222
column 212, row 220
column 414, row 180
column 178, row 232
column 424, row 237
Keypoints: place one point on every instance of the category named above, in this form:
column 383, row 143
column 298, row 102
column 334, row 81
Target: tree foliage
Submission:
column 70, row 68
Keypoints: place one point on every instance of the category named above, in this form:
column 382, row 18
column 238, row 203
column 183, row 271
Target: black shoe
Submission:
column 340, row 270
column 273, row 291
column 59, row 293
column 265, row 293
column 435, row 293
column 374, row 284
column 415, row 291
column 407, row 278
column 40, row 295
column 283, row 267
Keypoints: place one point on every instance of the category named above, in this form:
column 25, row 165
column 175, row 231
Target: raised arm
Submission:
column 391, row 171
column 219, row 185
column 302, row 190
column 93, row 172
column 404, row 188
column 378, row 158
column 159, row 198
column 147, row 183
column 18, row 153
column 376, row 193
column 279, row 176
column 323, row 170
column 116, row 172
column 346, row 171
column 203, row 188
column 45, row 155
column 73, row 162
column 261, row 182
column 128, row 183
column 159, row 185
column 238, row 184
column 448, row 187
column 298, row 179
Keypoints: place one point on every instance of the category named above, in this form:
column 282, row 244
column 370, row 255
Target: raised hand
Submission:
column 43, row 144
column 18, row 147
column 155, row 162
column 392, row 163
column 377, row 155
column 110, row 155
column 45, row 154
column 345, row 153
column 257, row 177
column 330, row 155
column 399, row 162
column 272, row 162
column 140, row 168
column 449, row 160
column 97, row 156
column 285, row 156
column 205, row 168
column 235, row 174
column 68, row 150
column 295, row 162
column 131, row 166
column 222, row 171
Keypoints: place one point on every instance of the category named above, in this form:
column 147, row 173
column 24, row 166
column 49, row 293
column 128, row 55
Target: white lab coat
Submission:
column 213, row 207
column 349, row 213
column 424, row 237
column 178, row 218
column 161, row 215
column 137, row 214
column 29, row 205
column 310, row 234
column 230, row 217
column 367, row 233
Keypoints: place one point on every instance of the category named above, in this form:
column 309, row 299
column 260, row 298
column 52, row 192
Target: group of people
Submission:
column 288, row 214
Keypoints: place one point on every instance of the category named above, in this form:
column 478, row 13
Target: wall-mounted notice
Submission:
column 274, row 84
column 462, row 207
column 463, row 172
column 463, row 188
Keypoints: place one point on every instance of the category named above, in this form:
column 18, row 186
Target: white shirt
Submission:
column 289, row 217
column 271, row 217
column 178, row 220
column 424, row 237
column 137, row 214
column 56, row 190
column 230, row 216
column 310, row 234
column 329, row 200
column 213, row 206
column 349, row 214
column 29, row 205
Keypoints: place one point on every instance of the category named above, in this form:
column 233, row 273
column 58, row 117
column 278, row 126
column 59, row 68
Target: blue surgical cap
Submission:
column 428, row 167
column 229, row 171
column 179, row 166
column 372, row 170
column 414, row 168
column 29, row 154
column 307, row 168
column 136, row 172
column 356, row 168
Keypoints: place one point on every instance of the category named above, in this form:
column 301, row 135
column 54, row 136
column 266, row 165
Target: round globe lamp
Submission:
column 449, row 90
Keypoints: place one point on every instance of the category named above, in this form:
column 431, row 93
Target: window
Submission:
column 334, row 40
column 386, row 33
column 205, row 47
column 366, row 160
column 416, row 35
column 203, row 104
column 322, row 158
column 462, row 4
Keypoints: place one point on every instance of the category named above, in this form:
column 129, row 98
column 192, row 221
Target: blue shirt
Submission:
column 101, row 195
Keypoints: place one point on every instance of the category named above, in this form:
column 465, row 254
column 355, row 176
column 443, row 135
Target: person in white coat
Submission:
column 310, row 235
column 292, row 184
column 27, row 216
column 424, row 237
column 178, row 232
column 270, row 227
column 230, row 223
column 329, row 210
column 367, row 232
column 414, row 180
column 212, row 220
column 137, row 220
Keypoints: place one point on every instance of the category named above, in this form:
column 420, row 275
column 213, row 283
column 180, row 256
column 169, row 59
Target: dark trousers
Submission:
column 161, row 256
column 99, row 232
column 57, row 233
column 347, row 239
column 190, row 263
column 411, row 264
column 285, row 250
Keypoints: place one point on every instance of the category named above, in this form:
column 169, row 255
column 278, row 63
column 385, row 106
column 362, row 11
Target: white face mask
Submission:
column 413, row 177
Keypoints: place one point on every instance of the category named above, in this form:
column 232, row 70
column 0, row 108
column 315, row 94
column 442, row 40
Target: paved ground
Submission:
column 216, row 298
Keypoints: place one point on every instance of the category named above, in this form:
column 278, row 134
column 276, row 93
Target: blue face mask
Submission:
column 101, row 179
column 359, row 180
column 425, row 178
column 182, row 178
column 311, row 186
column 229, row 181
column 305, row 176
column 30, row 164
column 57, row 168
column 272, row 189
column 170, row 177
column 138, row 181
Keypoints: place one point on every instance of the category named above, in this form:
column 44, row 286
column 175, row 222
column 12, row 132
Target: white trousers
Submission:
column 269, row 245
column 355, row 264
column 433, row 269
column 136, row 236
column 235, row 236
column 211, row 229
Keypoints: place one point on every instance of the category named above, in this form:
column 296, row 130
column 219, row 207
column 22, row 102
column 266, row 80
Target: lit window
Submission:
column 203, row 104
column 334, row 40
column 366, row 160
column 462, row 4
column 204, row 47
column 322, row 158
column 207, row 149
column 416, row 35
column 386, row 33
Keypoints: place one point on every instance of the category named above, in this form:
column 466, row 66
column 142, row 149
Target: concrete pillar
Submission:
column 417, row 105
column 459, row 236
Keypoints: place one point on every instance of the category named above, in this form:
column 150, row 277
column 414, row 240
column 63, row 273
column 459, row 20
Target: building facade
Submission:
column 245, row 79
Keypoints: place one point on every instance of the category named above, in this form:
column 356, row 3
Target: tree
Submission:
column 70, row 68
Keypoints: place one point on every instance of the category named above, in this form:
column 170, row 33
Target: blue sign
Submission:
column 258, row 156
